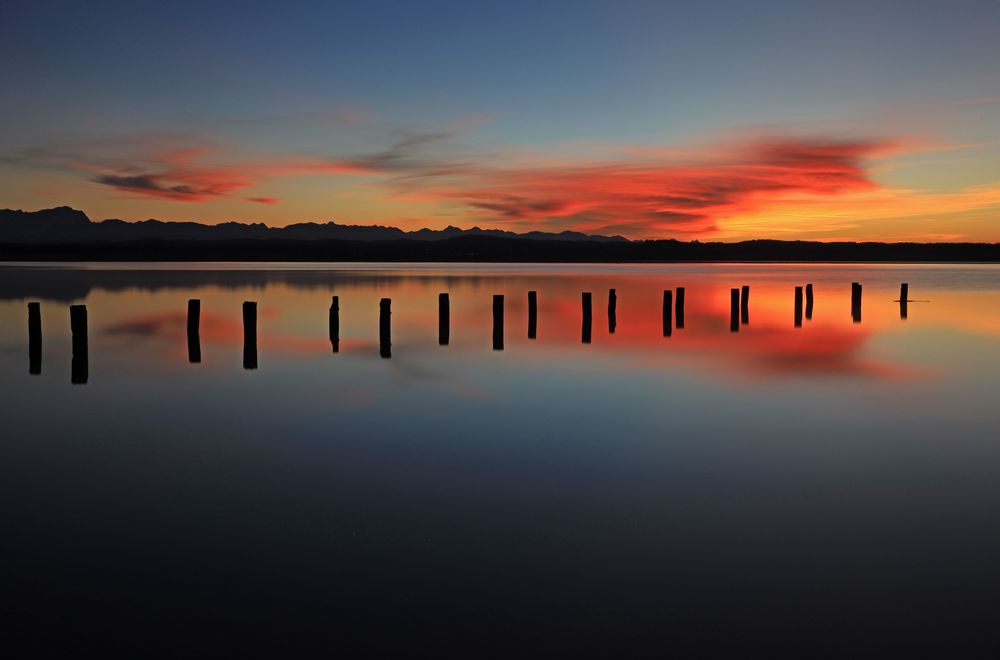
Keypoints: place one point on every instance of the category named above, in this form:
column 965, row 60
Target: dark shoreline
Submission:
column 513, row 250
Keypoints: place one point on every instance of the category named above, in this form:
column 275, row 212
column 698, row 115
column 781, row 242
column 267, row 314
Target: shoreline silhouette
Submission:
column 65, row 234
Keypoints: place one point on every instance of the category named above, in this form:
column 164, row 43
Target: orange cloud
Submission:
column 654, row 197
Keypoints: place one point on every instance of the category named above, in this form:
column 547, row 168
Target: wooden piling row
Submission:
column 672, row 307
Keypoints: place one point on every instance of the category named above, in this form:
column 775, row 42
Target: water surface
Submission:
column 829, row 490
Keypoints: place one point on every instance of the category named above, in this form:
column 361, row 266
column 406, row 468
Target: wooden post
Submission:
column 34, row 338
column 532, row 314
column 679, row 308
column 612, row 311
column 587, row 316
column 334, row 324
column 249, row 335
column 798, row 307
column 904, row 292
column 385, row 328
column 856, row 302
column 79, row 371
column 194, row 331
column 734, row 310
column 444, row 319
column 809, row 302
column 745, row 305
column 498, row 322
column 668, row 312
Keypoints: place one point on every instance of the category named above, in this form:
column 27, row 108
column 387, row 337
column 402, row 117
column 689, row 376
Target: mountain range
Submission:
column 67, row 225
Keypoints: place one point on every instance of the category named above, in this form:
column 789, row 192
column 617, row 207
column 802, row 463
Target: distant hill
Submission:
column 66, row 234
column 68, row 225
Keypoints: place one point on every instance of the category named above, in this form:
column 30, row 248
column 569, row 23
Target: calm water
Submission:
column 825, row 491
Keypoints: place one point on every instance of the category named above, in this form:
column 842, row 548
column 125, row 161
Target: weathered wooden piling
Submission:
column 668, row 312
column 334, row 324
column 498, row 322
column 679, row 308
column 904, row 292
column 745, row 305
column 798, row 307
column 385, row 328
column 856, row 302
column 444, row 319
column 734, row 310
column 34, row 338
column 809, row 302
column 532, row 314
column 587, row 316
column 79, row 371
column 249, row 335
column 194, row 331
column 612, row 311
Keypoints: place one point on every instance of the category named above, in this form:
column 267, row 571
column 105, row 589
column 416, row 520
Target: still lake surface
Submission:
column 831, row 490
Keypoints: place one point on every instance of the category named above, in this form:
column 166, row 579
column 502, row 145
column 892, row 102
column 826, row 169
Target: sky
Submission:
column 724, row 120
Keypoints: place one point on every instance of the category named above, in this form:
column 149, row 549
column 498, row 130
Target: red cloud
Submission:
column 263, row 200
column 654, row 197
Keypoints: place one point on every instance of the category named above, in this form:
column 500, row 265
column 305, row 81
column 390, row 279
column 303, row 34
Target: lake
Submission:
column 827, row 490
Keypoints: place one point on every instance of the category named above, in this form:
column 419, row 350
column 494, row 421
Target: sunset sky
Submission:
column 723, row 120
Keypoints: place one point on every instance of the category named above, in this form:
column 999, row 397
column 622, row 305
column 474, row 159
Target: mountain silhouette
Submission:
column 67, row 225
column 65, row 234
